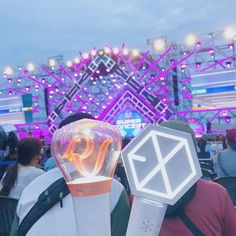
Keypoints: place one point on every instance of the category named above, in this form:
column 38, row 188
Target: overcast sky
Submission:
column 33, row 30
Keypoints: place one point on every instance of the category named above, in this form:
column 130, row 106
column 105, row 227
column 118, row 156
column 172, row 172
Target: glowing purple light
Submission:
column 9, row 93
column 26, row 73
column 211, row 51
column 172, row 61
column 198, row 64
column 228, row 64
column 57, row 89
column 9, row 80
column 43, row 81
column 198, row 44
column 27, row 88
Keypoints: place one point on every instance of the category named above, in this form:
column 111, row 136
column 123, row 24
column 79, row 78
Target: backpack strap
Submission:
column 46, row 200
column 221, row 166
column 191, row 226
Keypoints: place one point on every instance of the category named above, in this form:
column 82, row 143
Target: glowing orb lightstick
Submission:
column 87, row 152
column 161, row 165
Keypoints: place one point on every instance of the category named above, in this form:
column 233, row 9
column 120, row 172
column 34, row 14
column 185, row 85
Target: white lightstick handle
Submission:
column 146, row 217
column 92, row 215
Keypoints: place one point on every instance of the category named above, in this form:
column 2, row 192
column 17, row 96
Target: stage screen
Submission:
column 214, row 90
column 130, row 122
column 16, row 109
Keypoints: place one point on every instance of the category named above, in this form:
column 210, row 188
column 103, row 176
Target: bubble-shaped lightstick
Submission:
column 87, row 152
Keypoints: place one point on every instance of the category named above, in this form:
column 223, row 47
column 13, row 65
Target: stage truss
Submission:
column 93, row 83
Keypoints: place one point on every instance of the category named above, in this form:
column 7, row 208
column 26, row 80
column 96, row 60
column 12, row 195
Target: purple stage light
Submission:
column 198, row 44
column 228, row 64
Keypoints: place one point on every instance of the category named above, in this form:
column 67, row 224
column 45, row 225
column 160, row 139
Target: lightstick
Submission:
column 87, row 152
column 161, row 165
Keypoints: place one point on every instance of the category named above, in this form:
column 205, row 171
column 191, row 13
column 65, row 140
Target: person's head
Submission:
column 231, row 138
column 223, row 140
column 12, row 140
column 3, row 140
column 172, row 211
column 202, row 144
column 75, row 117
column 70, row 119
column 180, row 126
column 29, row 153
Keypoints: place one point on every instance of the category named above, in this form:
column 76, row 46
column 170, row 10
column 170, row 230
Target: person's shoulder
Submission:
column 116, row 186
column 42, row 182
column 210, row 187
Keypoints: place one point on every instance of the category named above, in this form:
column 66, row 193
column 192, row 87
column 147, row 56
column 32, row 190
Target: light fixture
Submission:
column 159, row 44
column 8, row 71
column 116, row 50
column 191, row 40
column 135, row 52
column 30, row 67
column 125, row 51
column 52, row 62
column 76, row 60
column 229, row 33
column 69, row 64
column 87, row 152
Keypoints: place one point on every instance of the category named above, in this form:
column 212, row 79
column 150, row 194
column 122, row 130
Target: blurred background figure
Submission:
column 20, row 174
column 225, row 163
column 203, row 154
column 208, row 126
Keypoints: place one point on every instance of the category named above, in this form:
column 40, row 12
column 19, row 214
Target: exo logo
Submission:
column 161, row 164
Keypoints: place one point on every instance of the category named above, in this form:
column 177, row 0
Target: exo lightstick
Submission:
column 87, row 152
column 161, row 165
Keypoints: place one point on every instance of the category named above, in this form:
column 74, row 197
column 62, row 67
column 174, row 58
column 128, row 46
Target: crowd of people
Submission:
column 207, row 206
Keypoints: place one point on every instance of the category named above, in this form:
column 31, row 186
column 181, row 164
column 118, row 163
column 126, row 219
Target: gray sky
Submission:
column 33, row 30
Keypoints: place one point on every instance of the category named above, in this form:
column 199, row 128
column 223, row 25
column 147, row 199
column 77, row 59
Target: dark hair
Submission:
column 12, row 140
column 27, row 149
column 75, row 117
column 3, row 140
column 202, row 144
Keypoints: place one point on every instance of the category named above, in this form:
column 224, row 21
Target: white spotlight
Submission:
column 52, row 62
column 30, row 67
column 77, row 60
column 191, row 40
column 85, row 55
column 116, row 50
column 229, row 33
column 93, row 52
column 135, row 52
column 159, row 44
column 107, row 50
column 8, row 70
column 125, row 51
column 69, row 63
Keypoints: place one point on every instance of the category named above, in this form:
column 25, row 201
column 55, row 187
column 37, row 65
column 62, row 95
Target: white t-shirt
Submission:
column 57, row 221
column 26, row 174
